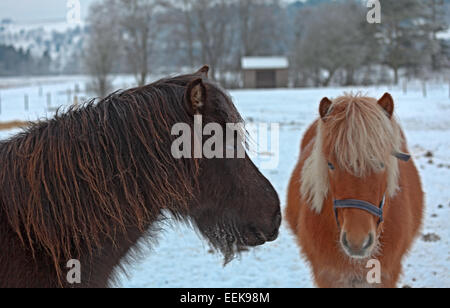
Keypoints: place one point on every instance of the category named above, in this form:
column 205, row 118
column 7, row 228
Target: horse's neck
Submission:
column 104, row 266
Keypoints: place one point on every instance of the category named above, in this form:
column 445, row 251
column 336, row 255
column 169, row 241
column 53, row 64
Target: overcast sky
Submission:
column 38, row 10
column 42, row 10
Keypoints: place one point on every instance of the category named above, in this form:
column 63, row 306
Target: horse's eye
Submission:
column 331, row 166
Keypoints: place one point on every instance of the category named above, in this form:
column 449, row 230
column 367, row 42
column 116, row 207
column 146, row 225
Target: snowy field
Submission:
column 182, row 259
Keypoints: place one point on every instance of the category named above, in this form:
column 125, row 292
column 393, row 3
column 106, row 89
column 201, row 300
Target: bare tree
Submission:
column 299, row 71
column 180, row 20
column 103, row 46
column 214, row 31
column 188, row 24
column 139, row 21
column 258, row 26
column 327, row 45
column 249, row 24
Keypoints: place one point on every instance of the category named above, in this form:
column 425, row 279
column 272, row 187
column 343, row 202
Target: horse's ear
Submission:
column 387, row 103
column 203, row 72
column 324, row 108
column 195, row 96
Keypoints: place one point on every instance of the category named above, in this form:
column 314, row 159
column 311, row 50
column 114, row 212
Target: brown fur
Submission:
column 89, row 183
column 318, row 233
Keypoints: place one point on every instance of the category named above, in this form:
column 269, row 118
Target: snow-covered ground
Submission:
column 182, row 259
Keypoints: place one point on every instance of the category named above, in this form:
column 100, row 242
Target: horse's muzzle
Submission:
column 358, row 250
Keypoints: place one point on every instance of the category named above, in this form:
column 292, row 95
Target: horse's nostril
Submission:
column 344, row 240
column 369, row 242
column 359, row 249
column 278, row 219
column 273, row 236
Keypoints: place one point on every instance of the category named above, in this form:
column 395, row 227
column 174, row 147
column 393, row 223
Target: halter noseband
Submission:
column 360, row 205
column 364, row 205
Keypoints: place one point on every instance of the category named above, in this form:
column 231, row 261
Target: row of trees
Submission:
column 336, row 39
column 141, row 36
column 326, row 41
column 15, row 62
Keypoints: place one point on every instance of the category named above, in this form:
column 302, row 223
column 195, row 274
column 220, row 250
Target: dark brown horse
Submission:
column 89, row 183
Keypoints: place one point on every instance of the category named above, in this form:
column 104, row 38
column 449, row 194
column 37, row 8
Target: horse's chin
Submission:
column 233, row 248
column 359, row 258
column 229, row 250
column 226, row 241
column 230, row 240
column 258, row 238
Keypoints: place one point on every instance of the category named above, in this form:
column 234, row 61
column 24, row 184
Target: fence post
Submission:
column 405, row 86
column 26, row 102
column 424, row 88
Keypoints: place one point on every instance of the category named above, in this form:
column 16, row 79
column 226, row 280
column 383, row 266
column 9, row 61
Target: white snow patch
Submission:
column 260, row 63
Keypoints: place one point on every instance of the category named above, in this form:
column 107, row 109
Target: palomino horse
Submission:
column 88, row 184
column 354, row 196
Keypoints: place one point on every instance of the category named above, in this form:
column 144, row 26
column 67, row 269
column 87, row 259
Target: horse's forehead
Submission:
column 339, row 106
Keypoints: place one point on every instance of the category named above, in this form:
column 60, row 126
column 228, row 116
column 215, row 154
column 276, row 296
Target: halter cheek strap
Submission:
column 402, row 156
column 360, row 205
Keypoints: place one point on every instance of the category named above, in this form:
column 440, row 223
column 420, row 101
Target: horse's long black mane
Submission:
column 88, row 174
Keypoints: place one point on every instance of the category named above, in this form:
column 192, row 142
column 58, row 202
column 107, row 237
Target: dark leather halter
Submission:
column 364, row 205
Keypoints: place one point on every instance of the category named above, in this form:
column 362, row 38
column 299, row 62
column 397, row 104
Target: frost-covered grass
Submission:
column 182, row 259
